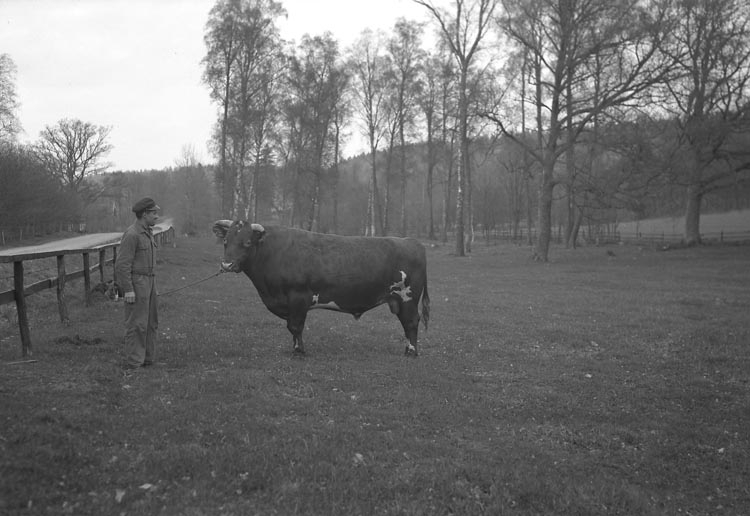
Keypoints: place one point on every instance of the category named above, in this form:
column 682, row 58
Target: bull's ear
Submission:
column 221, row 227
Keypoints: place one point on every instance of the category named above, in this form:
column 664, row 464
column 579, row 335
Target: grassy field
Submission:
column 594, row 384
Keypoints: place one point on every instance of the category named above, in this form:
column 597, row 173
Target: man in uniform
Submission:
column 135, row 273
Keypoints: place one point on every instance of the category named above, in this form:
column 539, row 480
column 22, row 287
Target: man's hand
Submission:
column 130, row 297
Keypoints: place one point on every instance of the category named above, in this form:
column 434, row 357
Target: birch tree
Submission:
column 463, row 31
column 368, row 66
column 242, row 43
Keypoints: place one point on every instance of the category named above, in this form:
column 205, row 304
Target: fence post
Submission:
column 102, row 260
column 61, row 306
column 23, row 317
column 87, row 278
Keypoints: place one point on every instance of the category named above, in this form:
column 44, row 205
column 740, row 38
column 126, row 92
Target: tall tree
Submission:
column 368, row 71
column 253, row 98
column 317, row 81
column 222, row 44
column 407, row 59
column 710, row 100
column 72, row 150
column 242, row 43
column 463, row 31
column 429, row 102
column 562, row 39
column 448, row 123
column 9, row 124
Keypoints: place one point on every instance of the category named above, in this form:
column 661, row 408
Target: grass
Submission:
column 593, row 384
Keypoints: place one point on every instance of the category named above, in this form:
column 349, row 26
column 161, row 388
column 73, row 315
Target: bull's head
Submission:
column 240, row 239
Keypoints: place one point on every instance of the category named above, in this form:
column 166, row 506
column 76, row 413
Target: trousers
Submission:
column 141, row 322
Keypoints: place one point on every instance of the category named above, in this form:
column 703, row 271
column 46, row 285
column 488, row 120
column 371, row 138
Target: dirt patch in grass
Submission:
column 594, row 384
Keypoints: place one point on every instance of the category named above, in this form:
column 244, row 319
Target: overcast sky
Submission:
column 134, row 65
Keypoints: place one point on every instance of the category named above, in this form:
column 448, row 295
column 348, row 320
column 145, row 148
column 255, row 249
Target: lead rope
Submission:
column 191, row 284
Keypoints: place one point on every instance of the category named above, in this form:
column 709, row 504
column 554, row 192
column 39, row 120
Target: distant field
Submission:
column 733, row 225
column 598, row 383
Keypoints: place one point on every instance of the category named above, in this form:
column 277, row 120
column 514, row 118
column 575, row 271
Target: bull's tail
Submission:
column 425, row 305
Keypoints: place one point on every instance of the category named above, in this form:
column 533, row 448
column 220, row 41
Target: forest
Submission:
column 520, row 115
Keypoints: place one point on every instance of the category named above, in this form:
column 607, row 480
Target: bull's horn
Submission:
column 221, row 226
column 258, row 227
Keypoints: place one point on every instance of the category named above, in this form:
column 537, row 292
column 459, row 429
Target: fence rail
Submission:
column 615, row 236
column 722, row 237
column 20, row 292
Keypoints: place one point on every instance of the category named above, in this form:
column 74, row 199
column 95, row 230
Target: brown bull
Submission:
column 295, row 271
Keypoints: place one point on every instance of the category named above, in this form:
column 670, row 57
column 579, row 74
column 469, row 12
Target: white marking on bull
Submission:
column 401, row 289
column 411, row 348
column 328, row 306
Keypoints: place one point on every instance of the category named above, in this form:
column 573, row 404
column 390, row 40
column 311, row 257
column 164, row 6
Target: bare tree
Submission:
column 447, row 133
column 72, row 149
column 563, row 39
column 428, row 101
column 711, row 99
column 368, row 74
column 407, row 57
column 463, row 32
column 188, row 157
column 9, row 124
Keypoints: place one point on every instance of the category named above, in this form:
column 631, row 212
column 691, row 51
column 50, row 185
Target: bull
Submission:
column 295, row 271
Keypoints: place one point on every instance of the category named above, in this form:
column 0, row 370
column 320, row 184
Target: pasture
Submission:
column 594, row 384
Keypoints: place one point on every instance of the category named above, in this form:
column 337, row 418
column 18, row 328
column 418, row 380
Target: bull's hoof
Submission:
column 298, row 351
column 410, row 352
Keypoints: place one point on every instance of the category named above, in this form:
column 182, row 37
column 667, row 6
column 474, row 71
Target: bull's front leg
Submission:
column 298, row 306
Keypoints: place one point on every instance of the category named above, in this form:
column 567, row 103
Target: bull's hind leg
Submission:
column 408, row 314
column 295, row 327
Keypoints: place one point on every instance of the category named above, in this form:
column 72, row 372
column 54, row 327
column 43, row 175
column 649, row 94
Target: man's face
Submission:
column 150, row 217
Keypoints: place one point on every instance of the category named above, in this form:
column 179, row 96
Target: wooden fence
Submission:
column 20, row 292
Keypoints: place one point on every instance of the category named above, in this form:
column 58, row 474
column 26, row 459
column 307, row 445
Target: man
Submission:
column 135, row 273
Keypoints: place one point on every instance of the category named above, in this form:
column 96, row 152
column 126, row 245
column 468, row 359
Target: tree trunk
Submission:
column 545, row 214
column 376, row 221
column 463, row 162
column 336, row 173
column 576, row 228
column 387, row 191
column 430, row 172
column 447, row 194
column 693, row 215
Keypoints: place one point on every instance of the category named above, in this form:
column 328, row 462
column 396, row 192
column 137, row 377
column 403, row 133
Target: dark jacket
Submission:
column 136, row 255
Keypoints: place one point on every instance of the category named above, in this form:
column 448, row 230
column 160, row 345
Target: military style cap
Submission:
column 147, row 203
